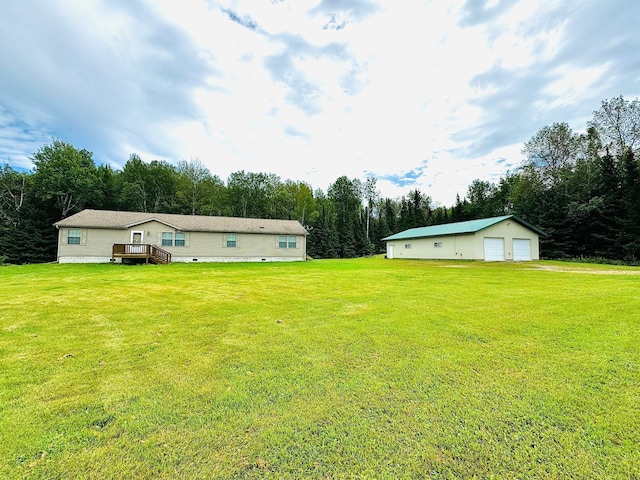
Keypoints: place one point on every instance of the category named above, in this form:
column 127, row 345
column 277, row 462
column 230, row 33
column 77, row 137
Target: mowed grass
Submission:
column 366, row 368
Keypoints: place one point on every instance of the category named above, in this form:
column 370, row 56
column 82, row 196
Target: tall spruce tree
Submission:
column 630, row 214
column 606, row 237
column 347, row 198
column 323, row 241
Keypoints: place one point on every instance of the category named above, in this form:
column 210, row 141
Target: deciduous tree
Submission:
column 65, row 175
column 193, row 179
column 149, row 187
column 617, row 122
column 13, row 192
column 252, row 194
column 550, row 151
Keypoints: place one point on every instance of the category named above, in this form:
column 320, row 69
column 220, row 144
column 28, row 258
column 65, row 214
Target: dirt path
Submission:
column 591, row 271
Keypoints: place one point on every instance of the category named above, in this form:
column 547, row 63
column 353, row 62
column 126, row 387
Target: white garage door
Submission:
column 494, row 249
column 521, row 249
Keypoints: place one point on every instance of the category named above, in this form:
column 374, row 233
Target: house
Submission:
column 490, row 239
column 93, row 236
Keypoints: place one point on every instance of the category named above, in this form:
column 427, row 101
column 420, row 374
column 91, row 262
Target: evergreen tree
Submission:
column 459, row 210
column 391, row 216
column 323, row 241
column 606, row 237
column 630, row 221
column 405, row 221
column 384, row 225
column 440, row 215
column 346, row 197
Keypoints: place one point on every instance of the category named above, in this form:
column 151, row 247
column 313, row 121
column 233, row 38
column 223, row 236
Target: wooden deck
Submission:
column 150, row 253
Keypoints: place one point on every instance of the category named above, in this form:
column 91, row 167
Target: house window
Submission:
column 167, row 239
column 437, row 244
column 181, row 239
column 231, row 240
column 73, row 237
column 407, row 245
column 287, row 242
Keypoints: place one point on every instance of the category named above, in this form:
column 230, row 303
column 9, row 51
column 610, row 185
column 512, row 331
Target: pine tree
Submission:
column 630, row 214
column 606, row 233
column 323, row 239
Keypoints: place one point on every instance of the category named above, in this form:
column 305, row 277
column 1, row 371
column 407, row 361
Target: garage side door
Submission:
column 494, row 249
column 521, row 249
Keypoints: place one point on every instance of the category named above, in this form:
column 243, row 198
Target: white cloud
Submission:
column 423, row 96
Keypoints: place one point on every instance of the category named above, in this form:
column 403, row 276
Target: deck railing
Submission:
column 140, row 250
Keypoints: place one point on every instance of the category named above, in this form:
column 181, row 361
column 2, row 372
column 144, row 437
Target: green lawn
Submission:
column 366, row 368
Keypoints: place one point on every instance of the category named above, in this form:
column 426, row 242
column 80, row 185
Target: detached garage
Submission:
column 496, row 239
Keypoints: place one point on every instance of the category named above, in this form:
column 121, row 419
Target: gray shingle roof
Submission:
column 187, row 223
column 459, row 228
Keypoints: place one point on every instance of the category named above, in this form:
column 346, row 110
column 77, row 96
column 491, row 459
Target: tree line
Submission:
column 582, row 189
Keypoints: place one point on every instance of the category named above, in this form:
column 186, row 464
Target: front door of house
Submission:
column 136, row 239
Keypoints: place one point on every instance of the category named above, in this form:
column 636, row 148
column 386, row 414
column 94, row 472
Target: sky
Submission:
column 426, row 95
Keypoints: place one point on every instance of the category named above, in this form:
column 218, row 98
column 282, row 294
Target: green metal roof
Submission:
column 458, row 228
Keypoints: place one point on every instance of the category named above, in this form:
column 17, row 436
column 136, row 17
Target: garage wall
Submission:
column 452, row 247
column 509, row 230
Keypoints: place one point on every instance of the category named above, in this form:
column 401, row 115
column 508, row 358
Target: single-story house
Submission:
column 491, row 239
column 96, row 236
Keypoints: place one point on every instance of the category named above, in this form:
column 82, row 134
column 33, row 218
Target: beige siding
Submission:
column 250, row 246
column 507, row 230
column 449, row 247
column 200, row 246
column 98, row 244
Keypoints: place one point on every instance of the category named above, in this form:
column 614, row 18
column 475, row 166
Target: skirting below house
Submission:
column 234, row 259
column 187, row 259
column 84, row 260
